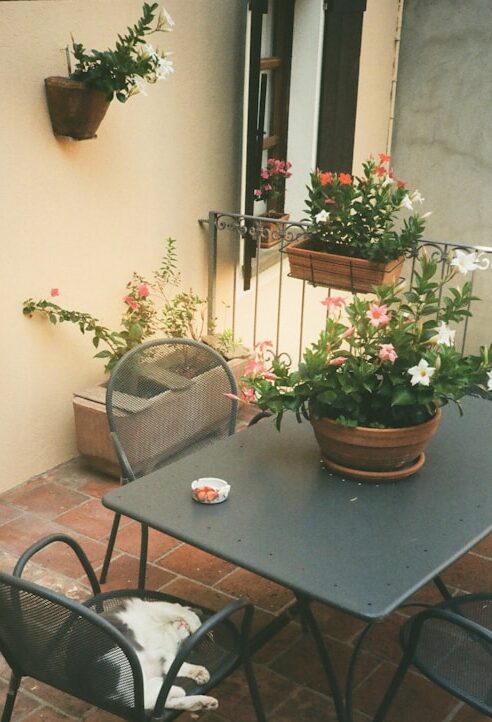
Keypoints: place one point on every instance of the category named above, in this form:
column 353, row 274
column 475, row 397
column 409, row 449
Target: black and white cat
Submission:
column 156, row 631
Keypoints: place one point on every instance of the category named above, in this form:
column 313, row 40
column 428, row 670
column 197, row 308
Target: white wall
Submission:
column 81, row 216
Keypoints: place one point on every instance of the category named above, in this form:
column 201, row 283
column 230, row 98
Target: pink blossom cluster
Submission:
column 141, row 291
column 272, row 176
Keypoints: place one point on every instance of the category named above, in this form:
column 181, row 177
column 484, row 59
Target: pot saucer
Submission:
column 376, row 477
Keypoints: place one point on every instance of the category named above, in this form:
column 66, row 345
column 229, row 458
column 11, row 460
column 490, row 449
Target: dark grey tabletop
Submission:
column 358, row 547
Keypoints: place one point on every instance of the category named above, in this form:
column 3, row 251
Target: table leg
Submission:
column 309, row 619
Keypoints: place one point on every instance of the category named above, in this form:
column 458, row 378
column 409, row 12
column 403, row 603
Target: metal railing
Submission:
column 287, row 310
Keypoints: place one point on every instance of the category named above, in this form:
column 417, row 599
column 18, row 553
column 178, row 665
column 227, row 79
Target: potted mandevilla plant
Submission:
column 272, row 186
column 357, row 235
column 375, row 381
column 78, row 104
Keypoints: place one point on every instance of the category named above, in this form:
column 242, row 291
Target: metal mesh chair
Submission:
column 165, row 399
column 70, row 646
column 451, row 644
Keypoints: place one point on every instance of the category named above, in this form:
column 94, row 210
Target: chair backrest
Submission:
column 68, row 646
column 164, row 399
column 452, row 644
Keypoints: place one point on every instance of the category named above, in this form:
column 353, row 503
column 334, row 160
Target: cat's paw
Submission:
column 200, row 675
column 210, row 702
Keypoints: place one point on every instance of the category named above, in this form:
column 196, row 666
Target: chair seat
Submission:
column 218, row 651
column 443, row 646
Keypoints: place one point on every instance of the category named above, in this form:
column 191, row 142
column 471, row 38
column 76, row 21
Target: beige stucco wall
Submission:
column 81, row 216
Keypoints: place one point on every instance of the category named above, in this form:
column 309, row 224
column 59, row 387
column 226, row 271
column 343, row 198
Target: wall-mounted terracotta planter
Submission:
column 344, row 272
column 76, row 111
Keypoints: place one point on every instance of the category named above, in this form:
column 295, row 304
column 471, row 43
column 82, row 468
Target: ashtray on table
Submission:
column 210, row 490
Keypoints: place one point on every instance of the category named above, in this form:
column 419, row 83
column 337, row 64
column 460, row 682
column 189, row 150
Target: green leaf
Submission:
column 403, row 397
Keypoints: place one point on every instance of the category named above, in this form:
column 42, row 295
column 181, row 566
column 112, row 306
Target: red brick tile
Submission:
column 382, row 640
column 417, row 699
column 48, row 500
column 97, row 715
column 99, row 485
column 466, row 714
column 484, row 548
column 128, row 540
column 17, row 535
column 336, row 624
column 235, row 700
column 305, row 706
column 260, row 591
column 91, row 519
column 196, row 593
column 64, row 702
column 301, row 663
column 123, row 574
column 23, row 703
column 46, row 714
column 8, row 512
column 192, row 562
column 62, row 559
column 471, row 573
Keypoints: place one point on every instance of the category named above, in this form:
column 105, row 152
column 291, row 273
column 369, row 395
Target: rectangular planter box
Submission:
column 342, row 272
column 169, row 434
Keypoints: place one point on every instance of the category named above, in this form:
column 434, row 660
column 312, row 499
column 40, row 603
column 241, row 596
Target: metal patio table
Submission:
column 361, row 548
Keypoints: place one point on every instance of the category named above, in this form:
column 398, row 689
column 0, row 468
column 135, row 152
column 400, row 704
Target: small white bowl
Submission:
column 207, row 484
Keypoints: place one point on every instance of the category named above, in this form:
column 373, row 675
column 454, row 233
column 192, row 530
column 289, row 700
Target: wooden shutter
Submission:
column 339, row 83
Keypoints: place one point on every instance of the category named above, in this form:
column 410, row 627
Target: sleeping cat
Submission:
column 156, row 631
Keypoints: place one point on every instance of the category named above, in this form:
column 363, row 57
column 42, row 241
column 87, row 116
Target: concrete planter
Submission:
column 92, row 429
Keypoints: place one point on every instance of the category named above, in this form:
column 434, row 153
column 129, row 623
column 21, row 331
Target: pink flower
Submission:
column 254, row 368
column 130, row 301
column 270, row 376
column 262, row 345
column 248, row 395
column 325, row 178
column 338, row 361
column 383, row 158
column 387, row 352
column 345, row 179
column 143, row 290
column 54, row 292
column 334, row 302
column 232, row 397
column 349, row 332
column 378, row 315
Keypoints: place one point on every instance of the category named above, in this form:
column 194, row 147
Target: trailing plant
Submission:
column 123, row 72
column 151, row 307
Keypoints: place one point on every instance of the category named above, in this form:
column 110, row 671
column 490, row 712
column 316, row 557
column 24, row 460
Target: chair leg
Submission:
column 253, row 690
column 11, row 695
column 442, row 588
column 392, row 689
column 110, row 547
column 144, row 546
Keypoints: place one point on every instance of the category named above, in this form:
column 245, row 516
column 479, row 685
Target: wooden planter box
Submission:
column 92, row 428
column 344, row 272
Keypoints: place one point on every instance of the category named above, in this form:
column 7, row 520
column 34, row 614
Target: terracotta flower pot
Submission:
column 270, row 235
column 335, row 271
column 75, row 110
column 374, row 454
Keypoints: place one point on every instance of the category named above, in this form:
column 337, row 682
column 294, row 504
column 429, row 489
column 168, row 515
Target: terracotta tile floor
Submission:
column 294, row 689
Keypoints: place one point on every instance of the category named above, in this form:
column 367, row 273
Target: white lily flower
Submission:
column 417, row 197
column 444, row 336
column 322, row 217
column 139, row 84
column 388, row 181
column 165, row 23
column 489, row 380
column 422, row 373
column 406, row 201
column 472, row 261
column 164, row 68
